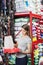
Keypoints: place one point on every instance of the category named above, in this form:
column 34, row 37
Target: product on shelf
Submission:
column 35, row 29
column 41, row 28
column 38, row 32
column 12, row 59
column 25, row 5
column 28, row 5
column 29, row 60
column 38, row 53
column 34, row 39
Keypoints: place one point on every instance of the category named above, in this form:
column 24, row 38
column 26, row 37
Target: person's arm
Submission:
column 29, row 49
column 16, row 44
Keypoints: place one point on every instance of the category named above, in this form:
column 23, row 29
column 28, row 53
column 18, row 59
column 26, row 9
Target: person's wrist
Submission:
column 22, row 51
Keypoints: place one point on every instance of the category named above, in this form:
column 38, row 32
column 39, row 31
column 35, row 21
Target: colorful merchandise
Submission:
column 38, row 54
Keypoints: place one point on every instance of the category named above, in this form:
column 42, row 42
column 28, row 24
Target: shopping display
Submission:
column 38, row 53
column 37, row 27
column 24, row 7
column 14, row 14
column 28, row 5
column 41, row 28
column 35, row 30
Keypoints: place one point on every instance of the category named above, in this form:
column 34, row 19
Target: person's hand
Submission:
column 20, row 51
column 16, row 45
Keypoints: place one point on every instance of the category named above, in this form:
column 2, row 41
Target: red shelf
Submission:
column 36, row 16
column 22, row 14
column 38, row 41
column 27, row 14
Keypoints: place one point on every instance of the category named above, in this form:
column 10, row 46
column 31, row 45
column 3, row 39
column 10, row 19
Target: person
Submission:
column 25, row 46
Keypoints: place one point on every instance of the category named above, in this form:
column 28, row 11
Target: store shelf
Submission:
column 41, row 23
column 36, row 16
column 27, row 14
column 31, row 15
column 22, row 14
column 41, row 16
column 42, row 10
column 38, row 41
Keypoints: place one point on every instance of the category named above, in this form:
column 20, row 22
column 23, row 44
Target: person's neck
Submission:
column 24, row 36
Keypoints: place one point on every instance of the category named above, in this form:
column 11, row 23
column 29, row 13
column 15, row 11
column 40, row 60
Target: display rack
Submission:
column 33, row 47
column 33, row 43
column 31, row 15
